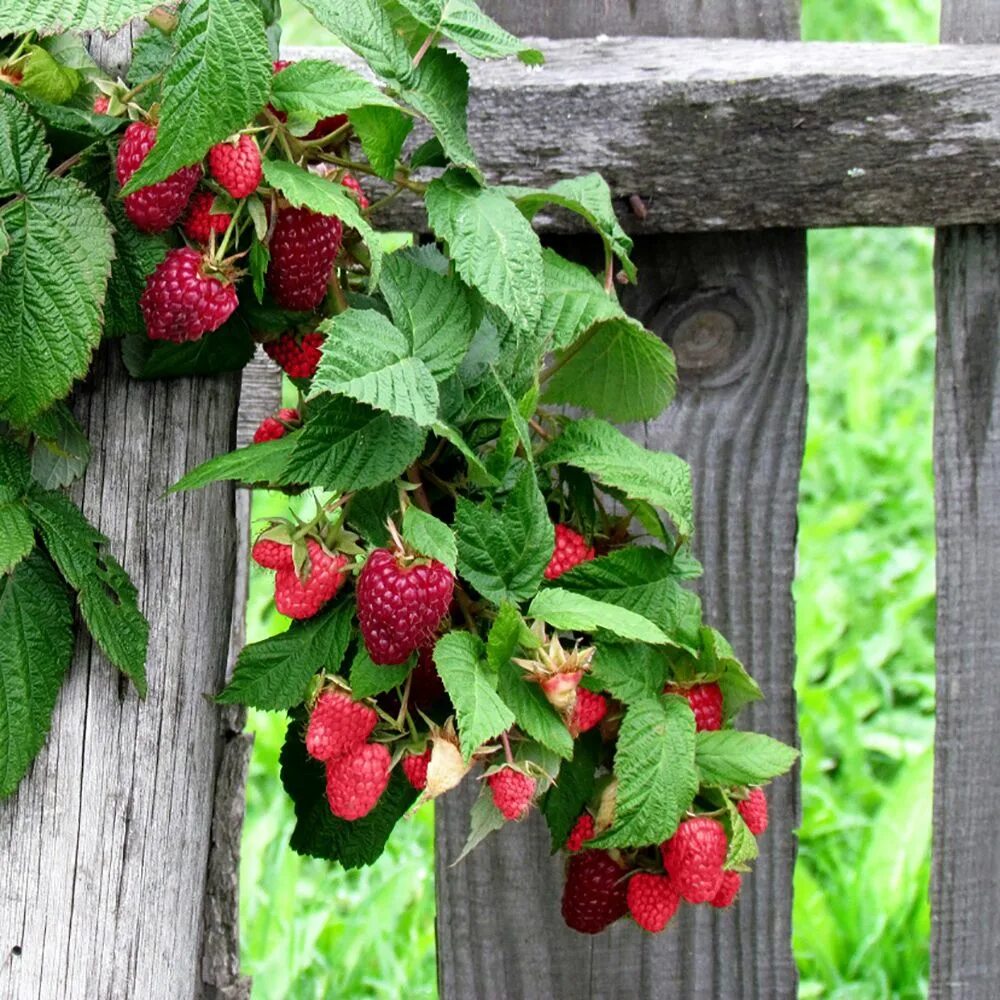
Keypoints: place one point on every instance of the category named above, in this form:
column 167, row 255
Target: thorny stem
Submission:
column 568, row 355
column 404, row 702
column 539, row 429
column 141, row 87
column 362, row 168
column 422, row 51
column 609, row 270
column 230, row 229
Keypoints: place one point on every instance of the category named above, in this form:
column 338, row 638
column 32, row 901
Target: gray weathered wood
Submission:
column 733, row 306
column 965, row 893
column 722, row 135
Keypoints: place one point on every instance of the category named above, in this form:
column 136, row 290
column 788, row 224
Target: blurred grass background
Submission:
column 865, row 643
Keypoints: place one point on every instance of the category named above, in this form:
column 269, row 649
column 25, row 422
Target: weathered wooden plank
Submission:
column 723, row 135
column 965, row 893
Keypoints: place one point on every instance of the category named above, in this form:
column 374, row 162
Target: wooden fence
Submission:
column 737, row 139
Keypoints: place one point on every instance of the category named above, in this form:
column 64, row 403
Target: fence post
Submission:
column 734, row 308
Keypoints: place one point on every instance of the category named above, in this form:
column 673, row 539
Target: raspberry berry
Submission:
column 571, row 550
column 705, row 701
column 594, row 894
column 236, row 166
column 101, row 104
column 158, row 206
column 415, row 768
column 297, row 357
column 353, row 185
column 182, row 301
column 694, row 856
column 200, row 221
column 400, row 606
column 302, row 598
column 652, row 900
column 753, row 809
column 303, row 247
column 728, row 890
column 583, row 830
column 338, row 725
column 356, row 781
column 272, row 554
column 588, row 711
column 512, row 792
column 272, row 428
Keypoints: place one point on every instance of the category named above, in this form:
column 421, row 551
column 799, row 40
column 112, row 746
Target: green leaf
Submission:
column 274, row 673
column 533, row 712
column 493, row 246
column 484, row 818
column 259, row 259
column 630, row 671
column 567, row 611
column 262, row 464
column 324, row 89
column 15, row 471
column 17, row 536
column 454, row 438
column 36, row 645
column 369, row 678
column 574, row 301
column 152, row 53
column 218, row 80
column 106, row 596
column 729, row 757
column 228, row 349
column 718, row 660
column 368, row 510
column 49, row 16
column 482, row 715
column 503, row 554
column 307, row 190
column 430, row 537
column 654, row 764
column 382, row 132
column 23, row 152
column 617, row 370
column 615, row 460
column 61, row 450
column 366, row 358
column 48, row 79
column 742, row 843
column 573, row 787
column 52, row 287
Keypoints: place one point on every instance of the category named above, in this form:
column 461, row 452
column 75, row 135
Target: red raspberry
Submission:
column 297, row 358
column 352, row 184
column 400, row 606
column 272, row 428
column 512, row 792
column 426, row 686
column 236, row 166
column 272, row 554
column 182, row 302
column 338, row 725
column 303, row 247
column 705, row 701
column 729, row 889
column 571, row 550
column 588, row 711
column 200, row 221
column 157, row 207
column 415, row 768
column 303, row 598
column 594, row 894
column 356, row 781
column 583, row 830
column 101, row 103
column 694, row 856
column 652, row 900
column 753, row 809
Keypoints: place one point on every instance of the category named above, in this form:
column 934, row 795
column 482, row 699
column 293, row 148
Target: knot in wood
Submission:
column 709, row 340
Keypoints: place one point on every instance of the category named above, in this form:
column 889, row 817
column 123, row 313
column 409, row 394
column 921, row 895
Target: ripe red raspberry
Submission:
column 101, row 103
column 352, row 184
column 594, row 894
column 356, row 781
column 729, row 889
column 272, row 428
column 200, row 221
column 512, row 792
column 652, row 900
column 303, row 247
column 426, row 686
column 571, row 550
column 415, row 768
column 303, row 598
column 298, row 358
column 272, row 554
column 705, row 701
column 753, row 809
column 236, row 166
column 157, row 207
column 401, row 606
column 583, row 830
column 588, row 711
column 694, row 856
column 182, row 301
column 338, row 725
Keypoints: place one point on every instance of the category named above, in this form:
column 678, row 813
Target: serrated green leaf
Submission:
column 742, row 843
column 630, row 671
column 382, row 133
column 484, row 818
column 654, row 765
column 493, row 246
column 568, row 611
column 137, row 255
column 718, row 660
column 218, row 80
column 574, row 301
column 36, row 644
column 481, row 714
column 430, row 537
column 533, row 712
column 152, row 53
column 15, row 471
column 369, row 509
column 453, row 437
column 17, row 536
column 274, row 673
column 48, row 79
column 228, row 349
column 617, row 461
column 259, row 259
column 369, row 678
column 503, row 553
column 61, row 450
column 262, row 464
column 52, row 288
column 729, row 757
column 49, row 16
column 324, row 89
column 23, row 151
column 573, row 787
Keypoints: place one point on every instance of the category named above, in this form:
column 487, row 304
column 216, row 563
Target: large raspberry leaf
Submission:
column 430, row 537
column 729, row 757
column 23, row 151
column 61, row 451
column 570, row 612
column 630, row 671
column 574, row 301
column 36, row 644
column 718, row 660
column 323, row 89
column 49, row 16
column 369, row 678
column 254, row 464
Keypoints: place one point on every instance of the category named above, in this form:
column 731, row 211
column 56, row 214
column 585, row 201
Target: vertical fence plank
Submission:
column 734, row 308
column 965, row 894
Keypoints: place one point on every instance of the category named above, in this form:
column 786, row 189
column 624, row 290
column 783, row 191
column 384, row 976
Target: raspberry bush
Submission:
column 490, row 589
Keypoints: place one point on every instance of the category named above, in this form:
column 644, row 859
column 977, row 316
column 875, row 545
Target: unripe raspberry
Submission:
column 571, row 550
column 594, row 896
column 273, row 428
column 200, row 221
column 729, row 889
column 236, row 166
column 652, row 900
column 303, row 598
column 705, row 701
column 304, row 246
column 753, row 809
column 101, row 104
column 352, row 184
column 298, row 357
column 583, row 830
column 415, row 768
column 338, row 725
column 356, row 781
column 512, row 792
column 588, row 711
column 694, row 856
